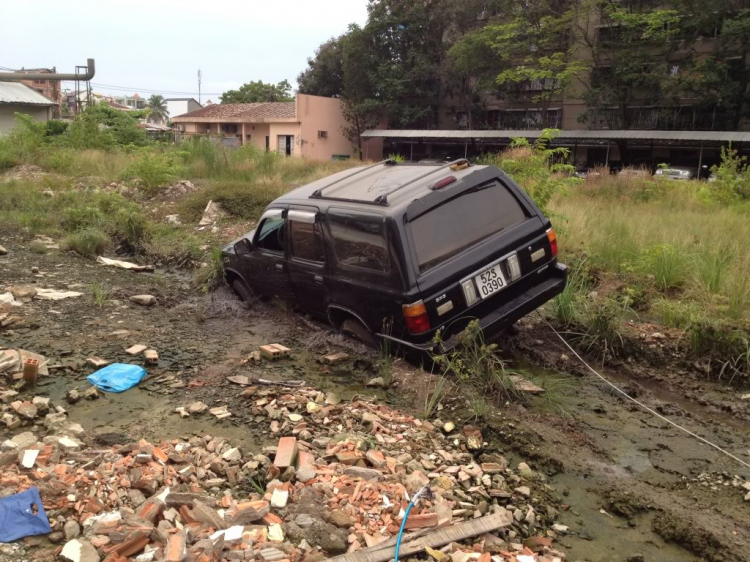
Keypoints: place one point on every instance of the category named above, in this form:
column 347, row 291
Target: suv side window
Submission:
column 272, row 234
column 359, row 239
column 304, row 235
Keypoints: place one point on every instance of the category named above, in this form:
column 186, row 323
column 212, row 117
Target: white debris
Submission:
column 55, row 295
column 124, row 264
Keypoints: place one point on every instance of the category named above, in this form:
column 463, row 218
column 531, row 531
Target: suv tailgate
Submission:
column 511, row 235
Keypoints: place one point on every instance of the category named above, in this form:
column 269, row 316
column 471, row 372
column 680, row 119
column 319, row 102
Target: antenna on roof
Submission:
column 200, row 75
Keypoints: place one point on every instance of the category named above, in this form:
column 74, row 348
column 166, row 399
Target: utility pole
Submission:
column 200, row 75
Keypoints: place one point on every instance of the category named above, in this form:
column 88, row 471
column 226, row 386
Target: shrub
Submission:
column 76, row 218
column 210, row 275
column 732, row 178
column 38, row 247
column 130, row 228
column 476, row 362
column 601, row 321
column 540, row 170
column 568, row 302
column 666, row 264
column 153, row 170
column 711, row 268
column 89, row 242
column 676, row 314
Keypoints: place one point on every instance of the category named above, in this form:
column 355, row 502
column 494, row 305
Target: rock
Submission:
column 448, row 427
column 375, row 458
column 564, row 358
column 275, row 533
column 232, row 455
column 8, row 396
column 173, row 219
column 27, row 410
column 56, row 537
column 69, row 444
column 312, row 407
column 416, row 481
column 279, row 498
column 339, row 519
column 79, row 551
column 363, row 473
column 3, row 251
column 23, row 293
column 91, row 393
column 11, row 421
column 73, row 396
column 474, row 439
column 524, row 470
column 197, row 408
column 143, row 300
column 635, row 558
column 24, row 440
column 376, row 382
column 523, row 490
column 558, row 528
column 305, row 474
column 71, row 530
column 304, row 520
column 41, row 403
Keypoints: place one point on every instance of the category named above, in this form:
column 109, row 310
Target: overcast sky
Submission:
column 160, row 44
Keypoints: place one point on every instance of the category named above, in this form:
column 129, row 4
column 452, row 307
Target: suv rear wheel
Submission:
column 354, row 328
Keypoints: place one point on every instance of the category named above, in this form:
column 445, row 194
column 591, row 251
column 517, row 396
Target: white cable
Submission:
column 649, row 410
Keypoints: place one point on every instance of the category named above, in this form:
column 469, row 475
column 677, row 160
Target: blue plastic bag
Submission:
column 22, row 515
column 117, row 377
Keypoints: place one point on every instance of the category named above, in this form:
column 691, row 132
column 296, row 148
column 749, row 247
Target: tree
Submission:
column 630, row 50
column 324, row 75
column 527, row 56
column 157, row 109
column 259, row 91
column 718, row 80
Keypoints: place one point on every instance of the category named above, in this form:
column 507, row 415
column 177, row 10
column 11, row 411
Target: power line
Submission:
column 149, row 90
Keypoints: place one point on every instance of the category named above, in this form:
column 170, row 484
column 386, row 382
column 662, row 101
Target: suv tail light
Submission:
column 416, row 318
column 552, row 237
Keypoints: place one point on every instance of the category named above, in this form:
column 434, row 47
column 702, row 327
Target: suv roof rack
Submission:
column 318, row 193
column 382, row 200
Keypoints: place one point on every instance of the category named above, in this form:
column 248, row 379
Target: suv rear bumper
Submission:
column 506, row 314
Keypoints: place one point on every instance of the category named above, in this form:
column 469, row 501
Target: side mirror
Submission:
column 243, row 247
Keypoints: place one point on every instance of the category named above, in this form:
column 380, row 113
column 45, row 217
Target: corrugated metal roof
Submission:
column 15, row 92
column 575, row 135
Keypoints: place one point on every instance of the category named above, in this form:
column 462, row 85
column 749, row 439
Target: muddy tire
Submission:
column 242, row 290
column 355, row 329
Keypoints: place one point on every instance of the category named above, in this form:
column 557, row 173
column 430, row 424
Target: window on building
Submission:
column 609, row 34
column 322, row 134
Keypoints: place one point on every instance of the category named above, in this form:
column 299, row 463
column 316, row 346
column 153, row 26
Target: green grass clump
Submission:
column 88, row 242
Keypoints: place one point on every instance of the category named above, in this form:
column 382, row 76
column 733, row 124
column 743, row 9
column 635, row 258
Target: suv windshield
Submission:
column 461, row 222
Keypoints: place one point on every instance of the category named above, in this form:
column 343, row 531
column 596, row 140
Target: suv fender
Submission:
column 337, row 314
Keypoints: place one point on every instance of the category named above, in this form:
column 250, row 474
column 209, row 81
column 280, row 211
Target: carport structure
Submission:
column 589, row 148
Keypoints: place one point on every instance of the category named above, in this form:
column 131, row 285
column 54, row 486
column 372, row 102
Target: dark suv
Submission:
column 416, row 247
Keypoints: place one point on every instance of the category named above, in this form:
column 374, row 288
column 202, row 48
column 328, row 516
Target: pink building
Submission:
column 309, row 126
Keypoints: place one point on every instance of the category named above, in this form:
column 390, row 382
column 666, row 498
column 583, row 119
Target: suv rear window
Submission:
column 461, row 222
column 359, row 239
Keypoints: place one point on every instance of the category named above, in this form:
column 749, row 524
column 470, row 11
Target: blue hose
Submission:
column 401, row 530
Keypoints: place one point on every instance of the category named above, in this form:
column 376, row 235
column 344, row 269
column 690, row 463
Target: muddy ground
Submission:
column 626, row 483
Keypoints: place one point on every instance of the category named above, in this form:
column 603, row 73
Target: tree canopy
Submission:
column 424, row 61
column 259, row 91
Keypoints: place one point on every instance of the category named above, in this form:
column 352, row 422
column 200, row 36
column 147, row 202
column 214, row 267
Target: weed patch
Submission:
column 88, row 242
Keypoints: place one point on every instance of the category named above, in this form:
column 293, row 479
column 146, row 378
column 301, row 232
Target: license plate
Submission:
column 490, row 281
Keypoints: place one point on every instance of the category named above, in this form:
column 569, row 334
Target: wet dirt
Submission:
column 624, row 482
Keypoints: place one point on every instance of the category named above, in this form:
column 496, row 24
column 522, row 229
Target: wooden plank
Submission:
column 435, row 539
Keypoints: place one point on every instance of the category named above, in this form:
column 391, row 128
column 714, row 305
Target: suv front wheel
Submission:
column 354, row 328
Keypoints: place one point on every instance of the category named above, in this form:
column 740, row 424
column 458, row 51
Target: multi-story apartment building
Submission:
column 665, row 117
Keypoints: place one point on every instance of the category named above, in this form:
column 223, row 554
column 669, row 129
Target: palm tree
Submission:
column 157, row 109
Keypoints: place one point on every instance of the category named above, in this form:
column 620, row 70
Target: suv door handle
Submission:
column 280, row 266
column 318, row 278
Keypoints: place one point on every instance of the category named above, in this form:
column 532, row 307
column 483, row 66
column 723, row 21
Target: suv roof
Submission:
column 385, row 184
